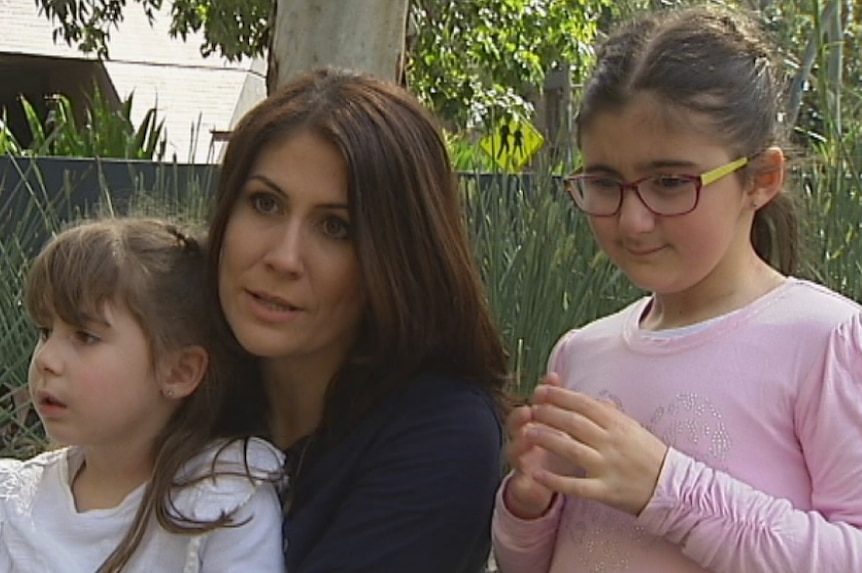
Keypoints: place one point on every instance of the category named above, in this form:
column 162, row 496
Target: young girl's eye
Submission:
column 597, row 185
column 264, row 203
column 86, row 338
column 335, row 228
column 670, row 182
column 43, row 332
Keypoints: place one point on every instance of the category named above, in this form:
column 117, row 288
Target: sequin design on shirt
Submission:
column 694, row 425
column 608, row 539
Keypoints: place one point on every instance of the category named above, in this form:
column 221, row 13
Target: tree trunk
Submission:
column 364, row 35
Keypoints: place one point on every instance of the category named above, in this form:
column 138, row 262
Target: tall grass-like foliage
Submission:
column 27, row 214
column 830, row 176
column 542, row 269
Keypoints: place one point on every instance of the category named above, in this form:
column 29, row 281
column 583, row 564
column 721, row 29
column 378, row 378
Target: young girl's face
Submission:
column 703, row 250
column 93, row 385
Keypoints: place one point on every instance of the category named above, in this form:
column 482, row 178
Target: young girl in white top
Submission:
column 715, row 425
column 125, row 377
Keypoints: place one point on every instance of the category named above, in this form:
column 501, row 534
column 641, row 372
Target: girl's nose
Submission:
column 46, row 359
column 634, row 216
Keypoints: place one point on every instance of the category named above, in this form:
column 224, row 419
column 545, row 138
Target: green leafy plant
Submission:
column 8, row 144
column 105, row 132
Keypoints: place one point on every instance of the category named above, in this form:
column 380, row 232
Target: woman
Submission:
column 343, row 267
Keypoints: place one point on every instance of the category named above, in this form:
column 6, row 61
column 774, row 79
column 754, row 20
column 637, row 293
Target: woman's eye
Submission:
column 43, row 332
column 335, row 228
column 264, row 203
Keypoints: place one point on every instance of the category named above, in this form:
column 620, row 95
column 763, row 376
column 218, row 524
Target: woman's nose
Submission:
column 285, row 253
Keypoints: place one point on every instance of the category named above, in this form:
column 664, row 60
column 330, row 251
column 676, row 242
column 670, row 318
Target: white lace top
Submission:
column 41, row 531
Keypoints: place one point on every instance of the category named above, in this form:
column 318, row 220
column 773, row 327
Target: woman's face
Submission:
column 289, row 278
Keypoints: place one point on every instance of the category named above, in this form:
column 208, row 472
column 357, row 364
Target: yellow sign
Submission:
column 512, row 144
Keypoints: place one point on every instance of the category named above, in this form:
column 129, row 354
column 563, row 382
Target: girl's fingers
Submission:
column 552, row 379
column 517, row 419
column 574, row 424
column 585, row 487
column 517, row 448
column 563, row 445
column 599, row 411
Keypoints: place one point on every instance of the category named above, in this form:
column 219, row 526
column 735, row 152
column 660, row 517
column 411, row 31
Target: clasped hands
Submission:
column 565, row 442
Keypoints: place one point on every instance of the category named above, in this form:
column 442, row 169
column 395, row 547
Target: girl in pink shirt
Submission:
column 715, row 425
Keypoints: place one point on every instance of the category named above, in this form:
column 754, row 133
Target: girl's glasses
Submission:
column 667, row 195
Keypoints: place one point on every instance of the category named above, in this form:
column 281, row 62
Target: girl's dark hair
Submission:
column 155, row 271
column 717, row 64
column 427, row 308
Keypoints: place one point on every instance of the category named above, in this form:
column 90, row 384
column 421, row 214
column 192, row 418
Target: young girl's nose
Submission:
column 634, row 215
column 46, row 359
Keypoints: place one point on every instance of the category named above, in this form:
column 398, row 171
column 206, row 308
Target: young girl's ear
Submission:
column 768, row 170
column 184, row 372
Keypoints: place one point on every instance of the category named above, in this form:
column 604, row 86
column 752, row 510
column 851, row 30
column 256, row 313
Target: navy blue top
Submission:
column 410, row 489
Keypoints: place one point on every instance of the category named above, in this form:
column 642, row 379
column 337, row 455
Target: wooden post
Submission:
column 364, row 35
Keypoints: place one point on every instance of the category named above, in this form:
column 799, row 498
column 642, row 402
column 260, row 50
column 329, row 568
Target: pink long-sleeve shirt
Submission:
column 762, row 411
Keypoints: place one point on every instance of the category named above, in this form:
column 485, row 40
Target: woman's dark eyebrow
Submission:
column 268, row 182
column 272, row 185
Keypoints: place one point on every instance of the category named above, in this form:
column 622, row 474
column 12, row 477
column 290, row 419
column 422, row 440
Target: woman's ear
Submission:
column 185, row 371
column 768, row 180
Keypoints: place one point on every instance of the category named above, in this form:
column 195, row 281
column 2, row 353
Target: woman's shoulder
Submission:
column 440, row 409
column 429, row 391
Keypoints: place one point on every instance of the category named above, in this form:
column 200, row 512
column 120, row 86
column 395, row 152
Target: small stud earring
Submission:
column 168, row 393
column 754, row 205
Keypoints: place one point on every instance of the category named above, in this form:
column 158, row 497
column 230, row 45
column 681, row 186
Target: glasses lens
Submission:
column 669, row 195
column 595, row 195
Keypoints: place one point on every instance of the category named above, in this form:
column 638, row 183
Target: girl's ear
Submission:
column 184, row 372
column 768, row 177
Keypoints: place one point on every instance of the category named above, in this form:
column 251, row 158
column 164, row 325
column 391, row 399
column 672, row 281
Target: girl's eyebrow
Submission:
column 603, row 169
column 646, row 166
column 88, row 319
column 667, row 163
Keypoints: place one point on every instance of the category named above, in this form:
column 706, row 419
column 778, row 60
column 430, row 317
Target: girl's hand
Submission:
column 524, row 496
column 622, row 460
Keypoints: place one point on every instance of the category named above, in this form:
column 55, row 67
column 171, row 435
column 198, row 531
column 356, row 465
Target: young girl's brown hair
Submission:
column 156, row 271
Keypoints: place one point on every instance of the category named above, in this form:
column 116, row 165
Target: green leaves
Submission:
column 476, row 60
column 8, row 143
column 231, row 28
column 105, row 132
